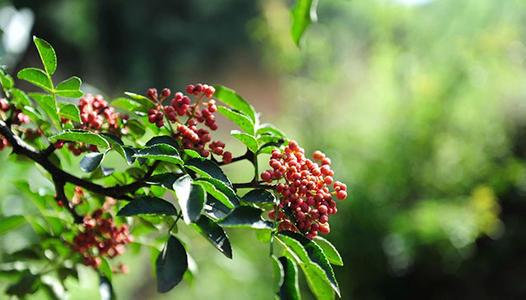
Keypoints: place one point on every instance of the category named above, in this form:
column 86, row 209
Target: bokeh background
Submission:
column 421, row 104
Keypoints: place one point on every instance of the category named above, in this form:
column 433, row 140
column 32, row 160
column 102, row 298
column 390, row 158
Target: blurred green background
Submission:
column 421, row 104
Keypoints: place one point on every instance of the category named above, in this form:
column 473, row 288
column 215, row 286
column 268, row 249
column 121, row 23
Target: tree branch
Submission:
column 41, row 158
column 242, row 157
column 62, row 200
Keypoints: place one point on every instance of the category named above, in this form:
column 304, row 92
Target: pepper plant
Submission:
column 170, row 176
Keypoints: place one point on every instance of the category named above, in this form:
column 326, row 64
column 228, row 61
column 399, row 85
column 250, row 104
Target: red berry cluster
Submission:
column 4, row 105
column 95, row 113
column 31, row 134
column 19, row 118
column 100, row 237
column 306, row 201
column 78, row 196
column 77, row 148
column 180, row 111
column 3, row 143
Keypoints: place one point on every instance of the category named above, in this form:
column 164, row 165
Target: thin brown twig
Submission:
column 41, row 158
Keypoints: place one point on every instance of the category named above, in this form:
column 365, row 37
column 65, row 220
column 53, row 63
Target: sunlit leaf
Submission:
column 80, row 136
column 105, row 268
column 163, row 152
column 303, row 13
column 10, row 223
column 47, row 55
column 241, row 120
column 235, row 101
column 233, row 199
column 329, row 250
column 247, row 139
column 70, row 88
column 217, row 194
column 271, row 130
column 36, row 77
column 6, row 80
column 70, row 112
column 48, row 105
column 128, row 105
column 145, row 102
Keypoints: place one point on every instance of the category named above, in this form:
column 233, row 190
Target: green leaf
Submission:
column 192, row 153
column 47, row 55
column 136, row 127
column 278, row 273
column 215, row 208
column 80, row 136
column 303, row 13
column 117, row 145
column 316, row 256
column 165, row 180
column 105, row 268
column 329, row 250
column 317, row 282
column 244, row 122
column 20, row 98
column 171, row 265
column 191, row 198
column 148, row 205
column 214, row 192
column 106, row 290
column 267, row 149
column 10, row 223
column 70, row 88
column 245, row 216
column 259, row 196
column 70, row 112
column 145, row 102
column 294, row 247
column 194, row 204
column 162, row 139
column 316, row 278
column 289, row 289
column 207, row 168
column 161, row 152
column 235, row 101
column 6, row 80
column 36, row 77
column 270, row 130
column 247, row 139
column 48, row 105
column 215, row 235
column 91, row 161
column 32, row 113
column 127, row 104
column 225, row 189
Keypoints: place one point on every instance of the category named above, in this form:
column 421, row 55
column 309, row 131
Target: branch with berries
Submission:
column 170, row 174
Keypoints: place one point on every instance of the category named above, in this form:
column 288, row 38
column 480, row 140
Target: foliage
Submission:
column 166, row 149
column 425, row 105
